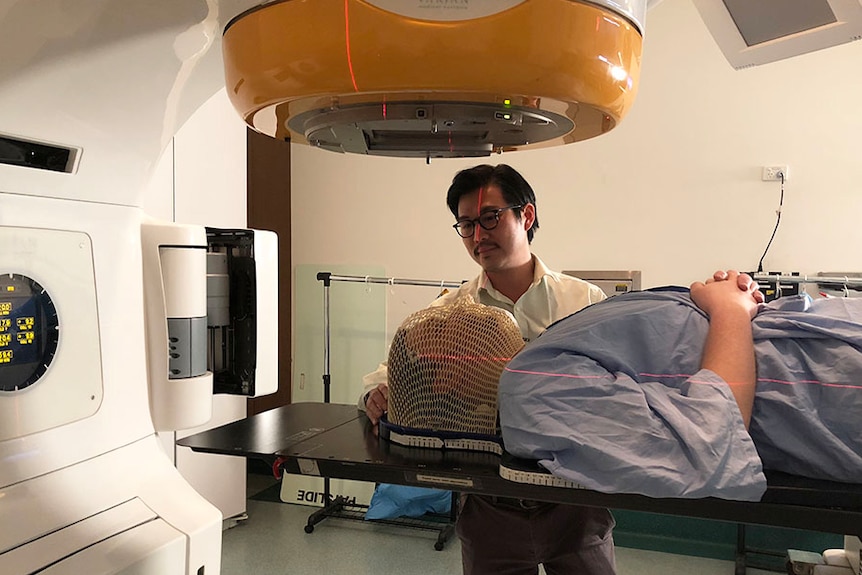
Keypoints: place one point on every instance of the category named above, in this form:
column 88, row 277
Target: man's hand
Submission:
column 377, row 403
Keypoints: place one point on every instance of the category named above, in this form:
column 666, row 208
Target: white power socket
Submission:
column 773, row 173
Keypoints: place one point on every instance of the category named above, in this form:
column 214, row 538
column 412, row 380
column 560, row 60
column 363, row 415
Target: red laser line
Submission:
column 765, row 380
column 476, row 358
column 347, row 41
column 568, row 375
column 479, row 210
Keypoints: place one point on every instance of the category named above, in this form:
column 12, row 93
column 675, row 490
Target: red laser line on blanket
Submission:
column 573, row 376
column 568, row 375
column 811, row 382
column 766, row 380
column 682, row 375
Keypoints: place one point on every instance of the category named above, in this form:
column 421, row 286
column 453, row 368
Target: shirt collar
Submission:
column 540, row 270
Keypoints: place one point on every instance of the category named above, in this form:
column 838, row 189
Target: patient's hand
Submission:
column 743, row 281
column 377, row 403
column 727, row 292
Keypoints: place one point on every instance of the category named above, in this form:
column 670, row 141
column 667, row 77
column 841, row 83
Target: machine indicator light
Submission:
column 10, row 288
column 507, row 102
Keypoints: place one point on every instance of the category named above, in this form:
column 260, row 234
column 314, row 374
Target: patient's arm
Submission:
column 731, row 303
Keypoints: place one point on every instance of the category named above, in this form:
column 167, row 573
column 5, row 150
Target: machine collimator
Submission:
column 444, row 80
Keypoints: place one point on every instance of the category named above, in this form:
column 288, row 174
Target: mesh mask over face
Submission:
column 445, row 364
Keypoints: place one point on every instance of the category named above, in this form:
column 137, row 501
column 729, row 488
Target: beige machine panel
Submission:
column 612, row 282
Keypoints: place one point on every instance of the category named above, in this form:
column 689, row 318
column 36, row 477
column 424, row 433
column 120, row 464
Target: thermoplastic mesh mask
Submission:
column 445, row 364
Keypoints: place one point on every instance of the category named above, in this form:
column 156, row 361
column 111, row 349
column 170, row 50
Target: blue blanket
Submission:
column 612, row 398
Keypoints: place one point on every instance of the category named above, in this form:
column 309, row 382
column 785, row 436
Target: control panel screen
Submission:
column 29, row 332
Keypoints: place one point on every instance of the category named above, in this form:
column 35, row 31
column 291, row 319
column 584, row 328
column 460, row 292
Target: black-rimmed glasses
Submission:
column 488, row 220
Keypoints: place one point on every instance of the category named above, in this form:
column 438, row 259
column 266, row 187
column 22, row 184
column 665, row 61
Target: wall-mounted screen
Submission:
column 751, row 33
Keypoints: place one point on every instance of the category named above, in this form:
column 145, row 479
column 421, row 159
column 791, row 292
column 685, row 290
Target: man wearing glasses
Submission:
column 495, row 211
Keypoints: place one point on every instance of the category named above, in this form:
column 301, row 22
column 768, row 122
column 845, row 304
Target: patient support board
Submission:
column 338, row 441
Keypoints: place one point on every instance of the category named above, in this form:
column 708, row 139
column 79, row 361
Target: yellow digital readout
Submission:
column 5, row 307
column 25, row 337
column 6, row 339
column 26, row 322
column 5, row 324
column 6, row 356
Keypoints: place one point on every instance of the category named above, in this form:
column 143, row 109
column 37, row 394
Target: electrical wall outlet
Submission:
column 773, row 173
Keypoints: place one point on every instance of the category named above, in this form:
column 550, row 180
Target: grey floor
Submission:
column 272, row 540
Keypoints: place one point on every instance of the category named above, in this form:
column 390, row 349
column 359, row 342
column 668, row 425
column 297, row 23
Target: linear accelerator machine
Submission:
column 102, row 309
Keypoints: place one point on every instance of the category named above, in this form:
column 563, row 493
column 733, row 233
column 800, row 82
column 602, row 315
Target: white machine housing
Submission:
column 175, row 298
column 85, row 484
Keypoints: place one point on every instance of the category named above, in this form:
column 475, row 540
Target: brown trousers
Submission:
column 510, row 537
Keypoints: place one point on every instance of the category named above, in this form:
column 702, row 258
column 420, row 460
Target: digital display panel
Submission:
column 29, row 332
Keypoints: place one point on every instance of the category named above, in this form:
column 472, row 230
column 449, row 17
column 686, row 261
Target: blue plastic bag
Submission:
column 390, row 501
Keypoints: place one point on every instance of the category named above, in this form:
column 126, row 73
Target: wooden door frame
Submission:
column 268, row 205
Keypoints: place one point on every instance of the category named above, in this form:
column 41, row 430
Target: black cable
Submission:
column 777, row 221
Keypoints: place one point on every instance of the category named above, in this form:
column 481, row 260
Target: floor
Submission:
column 272, row 540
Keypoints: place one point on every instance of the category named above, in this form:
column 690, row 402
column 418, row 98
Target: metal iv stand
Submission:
column 327, row 278
column 340, row 507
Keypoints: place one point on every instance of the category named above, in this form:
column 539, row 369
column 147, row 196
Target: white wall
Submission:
column 674, row 191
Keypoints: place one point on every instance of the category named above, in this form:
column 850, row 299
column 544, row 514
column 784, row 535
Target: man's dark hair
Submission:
column 516, row 190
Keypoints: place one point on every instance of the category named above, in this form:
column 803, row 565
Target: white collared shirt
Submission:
column 551, row 297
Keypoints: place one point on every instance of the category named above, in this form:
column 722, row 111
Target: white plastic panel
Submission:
column 221, row 479
column 172, row 286
column 123, row 415
column 71, row 388
column 184, row 275
column 66, row 542
column 73, row 495
column 154, row 548
column 266, row 276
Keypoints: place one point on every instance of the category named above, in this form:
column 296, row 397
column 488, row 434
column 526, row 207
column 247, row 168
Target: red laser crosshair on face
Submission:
column 479, row 211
